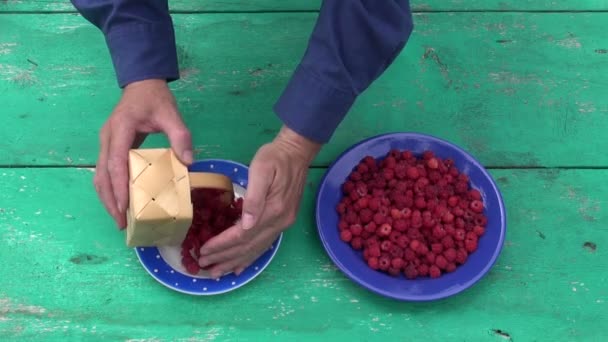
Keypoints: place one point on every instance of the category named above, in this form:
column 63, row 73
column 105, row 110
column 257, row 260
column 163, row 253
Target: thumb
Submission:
column 179, row 138
column 261, row 175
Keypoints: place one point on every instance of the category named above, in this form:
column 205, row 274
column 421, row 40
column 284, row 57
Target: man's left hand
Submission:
column 276, row 182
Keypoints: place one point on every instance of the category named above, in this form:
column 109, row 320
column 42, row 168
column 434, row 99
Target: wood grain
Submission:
column 66, row 274
column 314, row 5
column 513, row 89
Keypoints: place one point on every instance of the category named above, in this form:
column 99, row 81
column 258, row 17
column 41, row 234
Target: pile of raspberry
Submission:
column 411, row 215
column 211, row 216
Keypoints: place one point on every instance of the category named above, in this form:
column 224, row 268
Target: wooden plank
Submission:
column 513, row 89
column 67, row 275
column 314, row 5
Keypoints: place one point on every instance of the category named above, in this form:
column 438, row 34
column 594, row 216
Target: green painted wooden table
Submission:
column 521, row 84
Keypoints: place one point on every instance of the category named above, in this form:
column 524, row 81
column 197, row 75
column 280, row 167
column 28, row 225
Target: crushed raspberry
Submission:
column 409, row 215
column 210, row 218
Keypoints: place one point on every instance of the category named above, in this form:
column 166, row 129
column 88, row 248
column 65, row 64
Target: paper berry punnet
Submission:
column 410, row 215
column 161, row 206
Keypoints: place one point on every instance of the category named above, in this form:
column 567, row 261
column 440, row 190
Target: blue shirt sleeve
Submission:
column 139, row 35
column 352, row 44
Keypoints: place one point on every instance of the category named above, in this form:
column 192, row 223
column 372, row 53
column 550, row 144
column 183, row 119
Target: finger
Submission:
column 179, row 138
column 223, row 268
column 121, row 139
column 229, row 238
column 261, row 176
column 231, row 253
column 102, row 183
column 239, row 270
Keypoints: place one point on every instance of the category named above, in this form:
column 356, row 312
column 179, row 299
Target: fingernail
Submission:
column 187, row 156
column 247, row 221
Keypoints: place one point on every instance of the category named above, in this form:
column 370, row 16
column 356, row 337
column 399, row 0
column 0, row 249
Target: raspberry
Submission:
column 366, row 215
column 374, row 204
column 397, row 263
column 470, row 245
column 362, row 168
column 450, row 254
column 451, row 267
column 447, row 242
column 448, row 217
column 479, row 230
column 400, row 225
column 480, row 220
column 351, row 217
column 341, row 208
column 474, row 194
column 410, row 272
column 476, row 206
column 430, row 257
column 357, row 243
column 343, row 225
column 441, row 262
column 436, row 248
column 384, row 230
column 412, row 172
column 403, row 241
column 461, row 256
column 414, row 245
column 363, row 202
column 434, row 271
column 420, row 202
column 460, row 234
column 348, row 187
column 384, row 263
column 423, row 270
column 396, row 251
column 370, row 227
column 409, row 255
column 388, row 174
column 394, row 236
column 379, row 219
column 432, row 163
column 372, row 262
column 346, row 235
column 374, row 251
column 356, row 229
column 386, row 245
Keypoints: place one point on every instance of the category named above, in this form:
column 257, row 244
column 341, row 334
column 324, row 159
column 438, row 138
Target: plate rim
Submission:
column 407, row 297
column 276, row 245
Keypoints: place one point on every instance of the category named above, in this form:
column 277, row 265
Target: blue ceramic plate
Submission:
column 351, row 262
column 164, row 264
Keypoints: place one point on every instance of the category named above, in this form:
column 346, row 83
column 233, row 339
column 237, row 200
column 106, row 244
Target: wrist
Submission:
column 152, row 82
column 298, row 144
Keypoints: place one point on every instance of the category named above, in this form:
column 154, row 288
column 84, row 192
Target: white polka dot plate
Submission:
column 164, row 263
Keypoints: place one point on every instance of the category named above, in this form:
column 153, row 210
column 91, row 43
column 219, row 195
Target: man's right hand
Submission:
column 145, row 107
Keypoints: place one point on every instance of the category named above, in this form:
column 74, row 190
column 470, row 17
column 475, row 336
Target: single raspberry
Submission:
column 479, row 230
column 400, row 225
column 461, row 256
column 370, row 227
column 410, row 272
column 356, row 229
column 451, row 267
column 348, row 187
column 441, row 262
column 430, row 258
column 362, row 168
column 459, row 223
column 460, row 234
column 363, row 202
column 412, row 172
column 437, row 248
column 403, row 241
column 372, row 262
column 355, row 176
column 458, row 212
column 192, row 268
column 343, row 225
column 374, row 204
column 470, row 245
column 414, row 245
column 374, row 251
column 394, row 236
column 406, row 155
column 480, row 220
column 409, row 254
column 341, row 208
column 366, row 215
column 434, row 271
column 396, row 251
column 463, row 178
column 351, row 217
column 379, row 219
column 461, row 187
column 423, row 249
column 346, row 235
column 371, row 241
column 357, row 243
column 450, row 254
column 365, row 234
column 447, row 242
column 384, row 230
column 448, row 217
column 439, row 231
column 384, row 262
column 420, row 202
column 396, row 213
column 476, row 206
column 474, row 194
column 423, row 270
column 397, row 263
column 386, row 245
column 432, row 163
